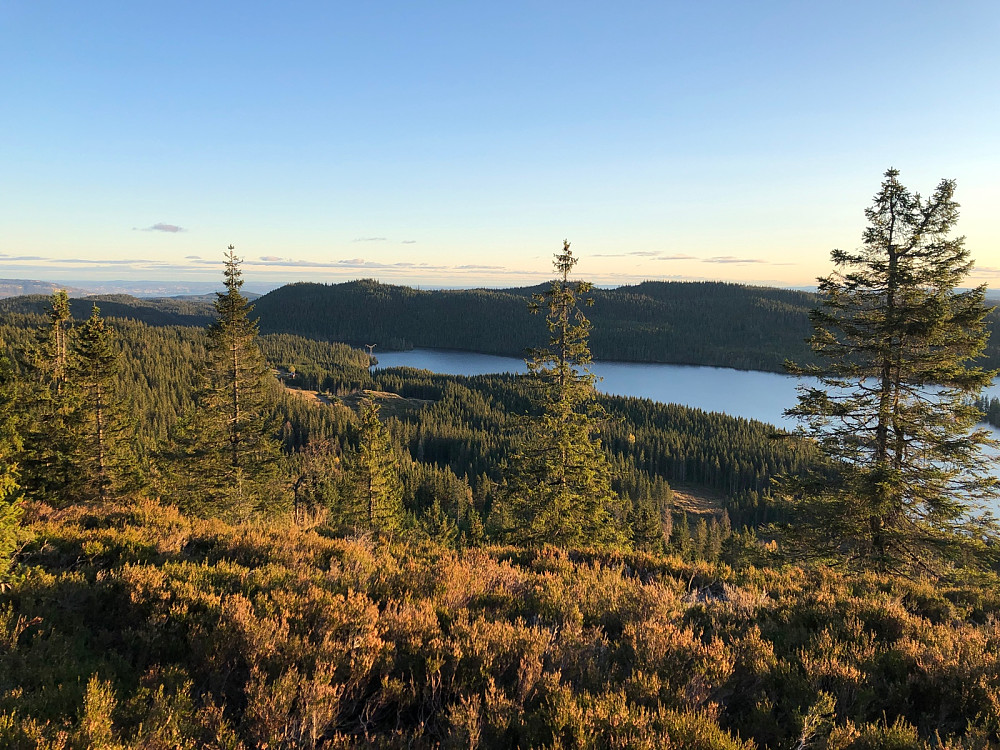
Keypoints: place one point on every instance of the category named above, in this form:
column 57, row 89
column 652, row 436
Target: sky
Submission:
column 459, row 143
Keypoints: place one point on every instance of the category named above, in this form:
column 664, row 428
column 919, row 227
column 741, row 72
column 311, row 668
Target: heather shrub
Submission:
column 134, row 626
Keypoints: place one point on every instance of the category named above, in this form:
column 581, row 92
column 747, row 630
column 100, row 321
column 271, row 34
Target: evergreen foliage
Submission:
column 705, row 323
column 10, row 447
column 155, row 312
column 226, row 449
column 894, row 409
column 50, row 403
column 558, row 485
column 462, row 427
column 104, row 441
column 990, row 408
column 373, row 497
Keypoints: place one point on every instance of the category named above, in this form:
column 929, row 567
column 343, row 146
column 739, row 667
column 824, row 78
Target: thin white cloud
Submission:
column 370, row 239
column 732, row 259
column 984, row 271
column 162, row 227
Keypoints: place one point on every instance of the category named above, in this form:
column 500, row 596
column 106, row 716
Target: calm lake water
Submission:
column 739, row 393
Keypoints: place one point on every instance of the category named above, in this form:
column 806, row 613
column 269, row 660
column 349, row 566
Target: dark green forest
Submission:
column 460, row 425
column 156, row 312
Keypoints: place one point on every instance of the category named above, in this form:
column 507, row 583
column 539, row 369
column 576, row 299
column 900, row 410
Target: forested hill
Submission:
column 707, row 323
column 167, row 311
column 696, row 323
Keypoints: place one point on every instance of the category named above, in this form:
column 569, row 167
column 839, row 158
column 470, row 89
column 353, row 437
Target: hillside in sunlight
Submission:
column 134, row 626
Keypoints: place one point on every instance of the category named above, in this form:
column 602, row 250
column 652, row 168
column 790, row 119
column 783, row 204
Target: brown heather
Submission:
column 133, row 626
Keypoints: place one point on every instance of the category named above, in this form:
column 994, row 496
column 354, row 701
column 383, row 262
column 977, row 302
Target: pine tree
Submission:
column 226, row 450
column 374, row 494
column 439, row 526
column 10, row 446
column 96, row 368
column 647, row 525
column 700, row 539
column 894, row 407
column 558, row 487
column 681, row 537
column 50, row 413
column 57, row 350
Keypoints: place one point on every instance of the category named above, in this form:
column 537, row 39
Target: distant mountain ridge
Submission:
column 22, row 287
column 133, row 288
column 154, row 312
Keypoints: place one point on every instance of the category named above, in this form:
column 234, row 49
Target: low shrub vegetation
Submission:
column 134, row 626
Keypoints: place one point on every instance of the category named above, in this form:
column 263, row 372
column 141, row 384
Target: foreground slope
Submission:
column 133, row 626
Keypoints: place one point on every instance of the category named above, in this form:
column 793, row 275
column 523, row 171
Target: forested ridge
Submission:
column 693, row 323
column 686, row 323
column 165, row 311
column 717, row 324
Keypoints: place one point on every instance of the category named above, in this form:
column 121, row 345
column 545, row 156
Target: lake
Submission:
column 739, row 393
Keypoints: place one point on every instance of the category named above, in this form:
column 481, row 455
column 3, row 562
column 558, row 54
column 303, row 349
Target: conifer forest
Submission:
column 223, row 525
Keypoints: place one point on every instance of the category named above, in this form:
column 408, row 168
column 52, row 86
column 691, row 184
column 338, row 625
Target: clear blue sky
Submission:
column 459, row 143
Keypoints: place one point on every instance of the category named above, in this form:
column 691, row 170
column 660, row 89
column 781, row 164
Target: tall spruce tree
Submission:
column 894, row 406
column 226, row 450
column 57, row 344
column 49, row 402
column 558, row 487
column 374, row 493
column 10, row 447
column 95, row 371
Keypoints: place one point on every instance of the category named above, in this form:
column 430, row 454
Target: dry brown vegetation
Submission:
column 135, row 626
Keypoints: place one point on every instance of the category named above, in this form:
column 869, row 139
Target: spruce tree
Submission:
column 10, row 446
column 49, row 402
column 647, row 525
column 681, row 537
column 225, row 451
column 558, row 486
column 893, row 410
column 374, row 492
column 57, row 348
column 95, row 371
